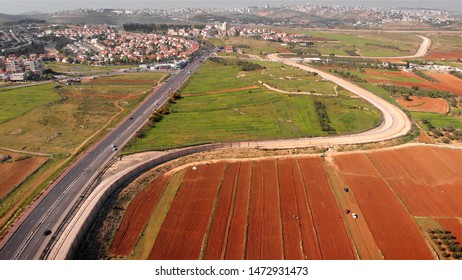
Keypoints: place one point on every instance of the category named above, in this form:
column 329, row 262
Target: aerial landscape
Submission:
column 210, row 130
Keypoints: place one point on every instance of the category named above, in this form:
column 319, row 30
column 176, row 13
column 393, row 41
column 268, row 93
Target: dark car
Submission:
column 47, row 232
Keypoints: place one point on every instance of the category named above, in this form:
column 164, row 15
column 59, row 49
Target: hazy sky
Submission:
column 23, row 6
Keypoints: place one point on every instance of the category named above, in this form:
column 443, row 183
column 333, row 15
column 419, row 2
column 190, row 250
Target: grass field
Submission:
column 56, row 120
column 374, row 44
column 14, row 103
column 439, row 120
column 255, row 114
column 84, row 69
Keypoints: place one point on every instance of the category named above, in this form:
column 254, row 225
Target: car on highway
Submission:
column 47, row 232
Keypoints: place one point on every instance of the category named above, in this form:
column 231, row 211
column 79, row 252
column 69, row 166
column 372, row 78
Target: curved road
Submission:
column 395, row 122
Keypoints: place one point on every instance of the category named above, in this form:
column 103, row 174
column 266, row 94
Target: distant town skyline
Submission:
column 25, row 6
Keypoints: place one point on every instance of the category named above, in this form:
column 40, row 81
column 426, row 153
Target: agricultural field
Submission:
column 445, row 47
column 16, row 169
column 367, row 44
column 222, row 103
column 425, row 104
column 257, row 203
column 392, row 187
column 435, row 106
column 82, row 69
column 295, row 208
column 325, row 43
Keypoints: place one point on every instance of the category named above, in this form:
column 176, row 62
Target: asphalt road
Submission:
column 28, row 238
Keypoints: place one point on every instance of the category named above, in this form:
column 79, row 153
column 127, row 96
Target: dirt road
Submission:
column 394, row 124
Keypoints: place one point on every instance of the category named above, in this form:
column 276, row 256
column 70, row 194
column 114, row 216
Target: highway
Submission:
column 29, row 237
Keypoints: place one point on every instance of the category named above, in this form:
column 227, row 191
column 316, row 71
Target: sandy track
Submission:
column 394, row 124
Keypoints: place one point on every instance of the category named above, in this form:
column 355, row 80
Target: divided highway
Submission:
column 30, row 237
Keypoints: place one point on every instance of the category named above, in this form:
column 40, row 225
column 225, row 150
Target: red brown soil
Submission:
column 289, row 173
column 236, row 246
column 13, row 173
column 423, row 138
column 423, row 178
column 334, row 241
column 182, row 233
column 291, row 224
column 221, row 91
column 216, row 242
column 425, row 104
column 264, row 237
column 392, row 227
column 449, row 82
column 444, row 55
column 446, row 82
column 454, row 225
column 136, row 217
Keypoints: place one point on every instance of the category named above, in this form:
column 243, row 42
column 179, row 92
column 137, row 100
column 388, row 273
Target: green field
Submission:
column 439, row 120
column 248, row 46
column 84, row 69
column 15, row 103
column 56, row 119
column 374, row 44
column 254, row 114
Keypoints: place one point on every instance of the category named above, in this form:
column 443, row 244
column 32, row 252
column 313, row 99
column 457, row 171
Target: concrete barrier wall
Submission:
column 72, row 234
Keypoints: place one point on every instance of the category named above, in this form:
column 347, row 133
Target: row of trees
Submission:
column 349, row 76
column 323, row 117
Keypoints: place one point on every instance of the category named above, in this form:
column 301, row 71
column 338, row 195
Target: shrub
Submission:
column 456, row 255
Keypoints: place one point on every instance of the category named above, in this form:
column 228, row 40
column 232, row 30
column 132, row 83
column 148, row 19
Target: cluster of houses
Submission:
column 224, row 29
column 15, row 68
column 103, row 45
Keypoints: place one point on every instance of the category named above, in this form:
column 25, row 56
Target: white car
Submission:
column 355, row 216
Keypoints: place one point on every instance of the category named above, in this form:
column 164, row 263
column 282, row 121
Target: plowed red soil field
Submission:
column 184, row 229
column 445, row 81
column 286, row 209
column 14, row 173
column 333, row 237
column 216, row 242
column 450, row 82
column 136, row 217
column 439, row 55
column 425, row 104
column 454, row 225
column 423, row 179
column 235, row 249
column 265, row 232
column 396, row 233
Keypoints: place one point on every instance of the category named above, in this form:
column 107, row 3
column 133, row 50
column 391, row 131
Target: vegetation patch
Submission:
column 349, row 76
column 444, row 243
column 323, row 117
column 424, row 76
